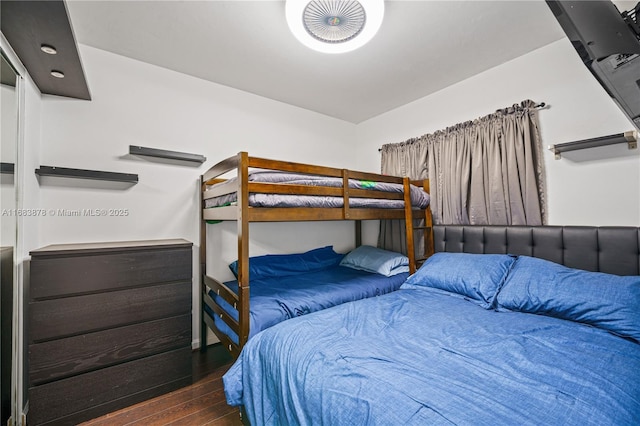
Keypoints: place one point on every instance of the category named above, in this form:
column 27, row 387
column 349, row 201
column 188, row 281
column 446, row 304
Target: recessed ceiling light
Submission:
column 332, row 26
column 48, row 49
column 57, row 74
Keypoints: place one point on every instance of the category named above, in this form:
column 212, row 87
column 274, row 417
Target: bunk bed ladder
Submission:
column 427, row 234
column 426, row 228
column 243, row 248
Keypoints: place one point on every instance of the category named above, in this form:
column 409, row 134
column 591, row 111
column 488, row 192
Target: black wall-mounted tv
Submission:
column 608, row 42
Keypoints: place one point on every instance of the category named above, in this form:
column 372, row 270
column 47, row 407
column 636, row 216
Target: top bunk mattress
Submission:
column 419, row 198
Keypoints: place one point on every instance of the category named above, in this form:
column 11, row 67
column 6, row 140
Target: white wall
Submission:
column 28, row 227
column 140, row 104
column 591, row 187
column 29, row 153
column 9, row 138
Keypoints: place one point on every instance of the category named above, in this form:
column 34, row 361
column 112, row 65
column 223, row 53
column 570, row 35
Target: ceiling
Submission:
column 422, row 47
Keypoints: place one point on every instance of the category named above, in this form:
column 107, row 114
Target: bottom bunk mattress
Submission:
column 275, row 299
column 420, row 356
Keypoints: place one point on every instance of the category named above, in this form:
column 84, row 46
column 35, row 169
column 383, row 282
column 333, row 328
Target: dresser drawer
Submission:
column 67, row 357
column 70, row 316
column 70, row 275
column 70, row 401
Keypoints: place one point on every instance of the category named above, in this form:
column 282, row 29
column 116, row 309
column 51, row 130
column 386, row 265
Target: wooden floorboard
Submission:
column 202, row 403
column 230, row 419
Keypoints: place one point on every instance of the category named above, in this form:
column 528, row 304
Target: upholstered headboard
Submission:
column 610, row 249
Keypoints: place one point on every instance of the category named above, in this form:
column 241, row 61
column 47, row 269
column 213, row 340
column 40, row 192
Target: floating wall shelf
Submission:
column 161, row 153
column 86, row 174
column 630, row 138
column 7, row 168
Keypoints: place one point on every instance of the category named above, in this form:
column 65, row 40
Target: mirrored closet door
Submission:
column 10, row 83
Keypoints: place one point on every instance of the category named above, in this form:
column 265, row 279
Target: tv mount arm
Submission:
column 632, row 18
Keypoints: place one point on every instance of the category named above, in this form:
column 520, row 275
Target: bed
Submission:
column 503, row 325
column 290, row 285
column 248, row 189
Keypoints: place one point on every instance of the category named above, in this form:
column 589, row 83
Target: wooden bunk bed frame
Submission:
column 244, row 214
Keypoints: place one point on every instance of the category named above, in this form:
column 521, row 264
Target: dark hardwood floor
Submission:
column 202, row 403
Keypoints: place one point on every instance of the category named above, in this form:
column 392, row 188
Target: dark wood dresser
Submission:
column 109, row 325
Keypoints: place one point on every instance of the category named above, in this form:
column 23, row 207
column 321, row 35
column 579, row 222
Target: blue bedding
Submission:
column 424, row 356
column 279, row 298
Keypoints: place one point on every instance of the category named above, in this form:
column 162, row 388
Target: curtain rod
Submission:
column 538, row 106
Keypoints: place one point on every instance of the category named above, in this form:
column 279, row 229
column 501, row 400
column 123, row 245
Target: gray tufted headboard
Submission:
column 610, row 249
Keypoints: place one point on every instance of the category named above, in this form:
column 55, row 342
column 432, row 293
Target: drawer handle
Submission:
column 229, row 348
column 235, row 305
column 218, row 292
column 220, row 316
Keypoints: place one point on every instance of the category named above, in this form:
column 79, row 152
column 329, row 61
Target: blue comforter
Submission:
column 426, row 357
column 276, row 299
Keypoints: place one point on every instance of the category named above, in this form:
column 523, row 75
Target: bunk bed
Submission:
column 503, row 325
column 248, row 189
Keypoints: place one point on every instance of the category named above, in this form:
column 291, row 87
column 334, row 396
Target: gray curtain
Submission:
column 482, row 172
column 410, row 159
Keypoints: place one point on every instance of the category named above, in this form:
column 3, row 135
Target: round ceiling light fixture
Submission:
column 334, row 26
column 48, row 49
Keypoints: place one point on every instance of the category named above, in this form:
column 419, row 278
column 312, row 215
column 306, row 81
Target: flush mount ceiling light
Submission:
column 49, row 50
column 334, row 26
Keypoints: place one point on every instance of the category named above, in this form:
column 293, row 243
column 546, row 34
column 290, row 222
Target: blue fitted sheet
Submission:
column 426, row 357
column 273, row 300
